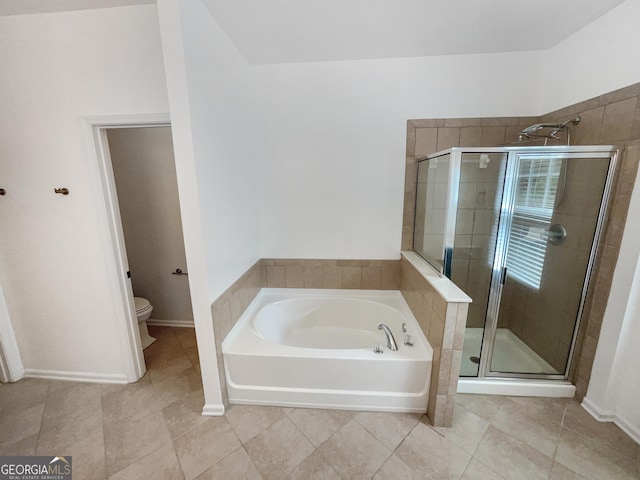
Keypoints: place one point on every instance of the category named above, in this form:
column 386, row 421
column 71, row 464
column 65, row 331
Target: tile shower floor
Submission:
column 153, row 430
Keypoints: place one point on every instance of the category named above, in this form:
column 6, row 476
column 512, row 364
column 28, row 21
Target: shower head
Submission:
column 553, row 129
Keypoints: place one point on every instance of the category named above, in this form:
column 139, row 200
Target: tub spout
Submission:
column 391, row 342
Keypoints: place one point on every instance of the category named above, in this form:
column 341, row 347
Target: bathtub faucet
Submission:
column 391, row 342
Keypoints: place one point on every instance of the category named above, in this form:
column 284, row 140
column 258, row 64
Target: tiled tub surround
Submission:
column 441, row 310
column 360, row 274
column 315, row 348
column 296, row 273
column 613, row 118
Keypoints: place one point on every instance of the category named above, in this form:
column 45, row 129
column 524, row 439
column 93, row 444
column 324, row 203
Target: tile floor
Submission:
column 153, row 430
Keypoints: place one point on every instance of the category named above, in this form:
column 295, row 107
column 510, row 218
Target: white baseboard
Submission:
column 210, row 410
column 75, row 376
column 171, row 323
column 610, row 416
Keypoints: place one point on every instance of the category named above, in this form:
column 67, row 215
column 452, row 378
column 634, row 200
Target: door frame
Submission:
column 95, row 133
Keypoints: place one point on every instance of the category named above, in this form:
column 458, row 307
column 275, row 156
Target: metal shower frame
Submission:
column 514, row 154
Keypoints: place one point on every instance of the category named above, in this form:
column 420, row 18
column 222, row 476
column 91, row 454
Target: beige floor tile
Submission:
column 485, row 406
column 549, row 409
column 319, row 425
column 608, row 434
column 165, row 368
column 250, row 420
column 560, row 472
column 205, row 445
column 186, row 336
column 467, row 430
column 127, row 442
column 354, row 452
column 192, row 355
column 394, row 469
column 433, row 456
column 159, row 465
column 66, row 403
column 538, row 433
column 21, row 424
column 26, row 446
column 279, row 449
column 313, row 467
column 184, row 414
column 177, row 387
column 477, row 470
column 130, row 402
column 235, row 466
column 83, row 428
column 511, row 458
column 388, row 428
column 21, row 395
column 593, row 462
column 89, row 461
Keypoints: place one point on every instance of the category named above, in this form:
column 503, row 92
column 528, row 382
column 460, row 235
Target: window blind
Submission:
column 535, row 196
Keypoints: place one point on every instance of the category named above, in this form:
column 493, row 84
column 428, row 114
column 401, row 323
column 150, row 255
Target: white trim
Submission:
column 517, row 387
column 610, row 416
column 11, row 367
column 171, row 323
column 211, row 410
column 101, row 170
column 76, row 376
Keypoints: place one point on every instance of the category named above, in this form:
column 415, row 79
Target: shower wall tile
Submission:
column 448, row 137
column 492, row 136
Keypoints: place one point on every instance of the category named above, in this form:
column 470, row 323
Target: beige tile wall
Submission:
column 443, row 324
column 364, row 274
column 610, row 118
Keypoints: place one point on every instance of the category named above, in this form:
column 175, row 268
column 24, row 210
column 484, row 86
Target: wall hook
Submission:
column 3, row 191
column 63, row 191
column 179, row 272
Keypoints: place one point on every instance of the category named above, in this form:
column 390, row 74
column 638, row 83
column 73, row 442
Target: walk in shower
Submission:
column 516, row 228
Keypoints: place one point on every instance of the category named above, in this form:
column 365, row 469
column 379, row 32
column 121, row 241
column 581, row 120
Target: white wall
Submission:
column 57, row 68
column 613, row 392
column 333, row 173
column 600, row 58
column 217, row 146
column 227, row 144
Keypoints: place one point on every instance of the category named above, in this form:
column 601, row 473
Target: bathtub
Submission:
column 315, row 348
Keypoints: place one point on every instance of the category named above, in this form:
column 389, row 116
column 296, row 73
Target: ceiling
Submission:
column 23, row 7
column 285, row 31
column 282, row 31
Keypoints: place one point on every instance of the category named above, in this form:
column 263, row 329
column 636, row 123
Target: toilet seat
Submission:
column 142, row 304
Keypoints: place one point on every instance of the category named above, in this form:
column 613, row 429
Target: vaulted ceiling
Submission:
column 284, row 31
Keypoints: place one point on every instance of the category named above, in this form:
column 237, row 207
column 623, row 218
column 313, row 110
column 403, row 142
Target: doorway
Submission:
column 126, row 129
column 145, row 178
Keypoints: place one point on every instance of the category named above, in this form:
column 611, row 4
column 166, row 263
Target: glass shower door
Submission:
column 550, row 227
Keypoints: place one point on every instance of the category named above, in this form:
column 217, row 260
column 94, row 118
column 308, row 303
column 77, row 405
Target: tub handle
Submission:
column 404, row 327
column 378, row 348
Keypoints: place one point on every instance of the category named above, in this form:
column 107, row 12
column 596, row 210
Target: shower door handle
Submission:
column 503, row 276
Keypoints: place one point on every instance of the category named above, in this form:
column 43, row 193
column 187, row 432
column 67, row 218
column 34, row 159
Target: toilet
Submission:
column 143, row 312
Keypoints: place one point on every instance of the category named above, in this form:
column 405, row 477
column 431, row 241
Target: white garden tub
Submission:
column 315, row 348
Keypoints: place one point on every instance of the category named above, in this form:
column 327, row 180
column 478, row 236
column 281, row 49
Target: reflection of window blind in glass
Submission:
column 534, row 203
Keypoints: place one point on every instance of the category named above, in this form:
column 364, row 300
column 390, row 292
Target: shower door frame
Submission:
column 504, row 226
